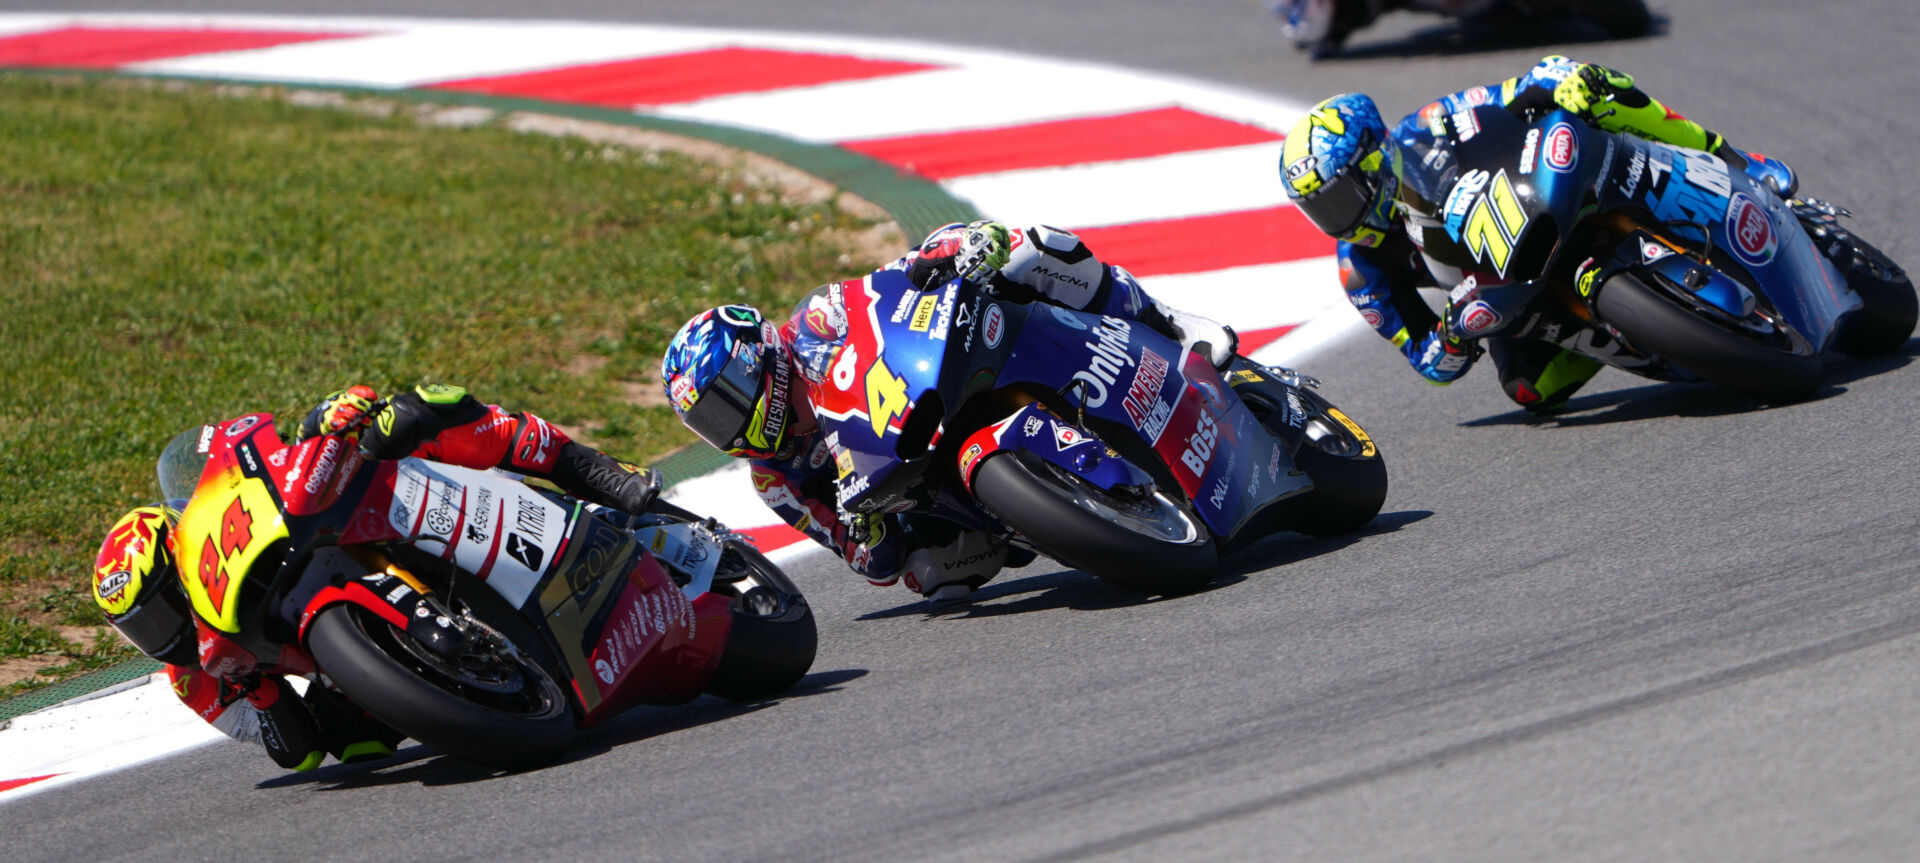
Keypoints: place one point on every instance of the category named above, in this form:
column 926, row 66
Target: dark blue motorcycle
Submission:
column 1654, row 259
column 1089, row 439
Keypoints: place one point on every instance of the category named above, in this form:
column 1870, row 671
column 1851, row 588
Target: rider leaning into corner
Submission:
column 437, row 422
column 1348, row 175
column 730, row 376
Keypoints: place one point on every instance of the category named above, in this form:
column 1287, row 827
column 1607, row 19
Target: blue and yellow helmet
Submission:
column 727, row 375
column 1341, row 171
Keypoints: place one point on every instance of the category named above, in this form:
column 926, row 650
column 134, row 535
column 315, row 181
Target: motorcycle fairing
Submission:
column 1510, row 216
column 503, row 531
column 871, row 381
column 1125, row 373
column 623, row 627
column 1037, row 430
column 231, row 521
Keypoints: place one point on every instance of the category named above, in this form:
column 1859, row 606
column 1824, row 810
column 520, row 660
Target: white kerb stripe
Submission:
column 1224, row 180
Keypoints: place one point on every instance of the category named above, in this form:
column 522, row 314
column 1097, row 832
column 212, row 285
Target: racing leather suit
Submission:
column 439, row 423
column 800, row 484
column 1382, row 281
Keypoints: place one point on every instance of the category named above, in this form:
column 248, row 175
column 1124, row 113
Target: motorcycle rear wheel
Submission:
column 501, row 710
column 1621, row 19
column 773, row 639
column 1658, row 325
column 1349, row 475
column 1148, row 542
column 1885, row 320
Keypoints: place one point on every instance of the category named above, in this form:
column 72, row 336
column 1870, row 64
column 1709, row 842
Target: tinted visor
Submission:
column 721, row 415
column 1342, row 203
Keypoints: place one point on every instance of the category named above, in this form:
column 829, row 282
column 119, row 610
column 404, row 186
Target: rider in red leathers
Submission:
column 137, row 583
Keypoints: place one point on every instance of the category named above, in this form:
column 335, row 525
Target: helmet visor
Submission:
column 721, row 414
column 1340, row 205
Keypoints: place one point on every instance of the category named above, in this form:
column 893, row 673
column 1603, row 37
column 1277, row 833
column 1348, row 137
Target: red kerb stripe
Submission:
column 1137, row 135
column 773, row 537
column 1253, row 340
column 99, row 48
column 1201, row 244
column 10, row 784
column 683, row 77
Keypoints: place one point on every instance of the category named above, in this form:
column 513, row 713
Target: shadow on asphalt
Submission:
column 1078, row 591
column 418, row 765
column 1484, row 37
column 1656, row 400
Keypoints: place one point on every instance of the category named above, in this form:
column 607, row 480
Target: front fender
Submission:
column 1039, row 431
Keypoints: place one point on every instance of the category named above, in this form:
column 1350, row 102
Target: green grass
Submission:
column 171, row 257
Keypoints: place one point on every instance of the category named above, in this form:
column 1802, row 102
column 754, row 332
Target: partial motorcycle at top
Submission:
column 1092, row 440
column 478, row 614
column 1650, row 258
column 1322, row 27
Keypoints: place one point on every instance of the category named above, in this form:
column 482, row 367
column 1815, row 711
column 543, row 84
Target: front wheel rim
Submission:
column 1154, row 516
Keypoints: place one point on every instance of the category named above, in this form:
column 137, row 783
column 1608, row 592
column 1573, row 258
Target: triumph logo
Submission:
column 1110, row 355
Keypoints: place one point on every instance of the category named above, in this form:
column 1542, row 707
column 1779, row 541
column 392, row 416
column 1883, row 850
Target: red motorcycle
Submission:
column 480, row 615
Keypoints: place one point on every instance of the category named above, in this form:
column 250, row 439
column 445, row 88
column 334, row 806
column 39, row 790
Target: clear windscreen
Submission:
column 181, row 464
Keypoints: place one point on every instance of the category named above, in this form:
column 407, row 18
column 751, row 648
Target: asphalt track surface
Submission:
column 1672, row 625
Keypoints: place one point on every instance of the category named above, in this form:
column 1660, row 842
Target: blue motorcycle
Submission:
column 1090, row 439
column 1654, row 259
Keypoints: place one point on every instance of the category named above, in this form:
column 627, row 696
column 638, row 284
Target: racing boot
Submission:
column 1212, row 339
column 287, row 727
column 949, row 562
column 1540, row 376
column 1771, row 173
column 351, row 734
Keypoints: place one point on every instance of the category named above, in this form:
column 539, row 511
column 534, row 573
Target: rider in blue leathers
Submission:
column 1352, row 178
column 747, row 385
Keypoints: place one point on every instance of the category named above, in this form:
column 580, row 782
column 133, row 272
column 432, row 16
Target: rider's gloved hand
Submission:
column 1446, row 355
column 982, row 252
column 342, row 411
column 1589, row 85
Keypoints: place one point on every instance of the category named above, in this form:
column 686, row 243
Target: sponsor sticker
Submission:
column 1561, row 148
column 1751, row 230
column 993, row 325
column 1478, row 317
column 923, row 314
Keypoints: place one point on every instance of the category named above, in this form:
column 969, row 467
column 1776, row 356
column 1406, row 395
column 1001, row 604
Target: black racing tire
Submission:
column 1776, row 373
column 772, row 639
column 528, row 725
column 1621, row 19
column 1077, row 524
column 1349, row 474
column 1885, row 320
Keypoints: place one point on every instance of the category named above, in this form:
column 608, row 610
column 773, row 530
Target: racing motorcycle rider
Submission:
column 1347, row 174
column 437, row 422
column 730, row 376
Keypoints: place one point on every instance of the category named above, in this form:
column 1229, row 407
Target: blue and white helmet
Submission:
column 727, row 375
column 1341, row 170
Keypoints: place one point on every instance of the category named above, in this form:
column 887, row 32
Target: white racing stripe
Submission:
column 1224, row 180
column 442, row 52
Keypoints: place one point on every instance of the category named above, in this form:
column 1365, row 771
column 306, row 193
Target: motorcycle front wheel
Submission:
column 1761, row 358
column 1139, row 539
column 493, row 705
column 772, row 639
